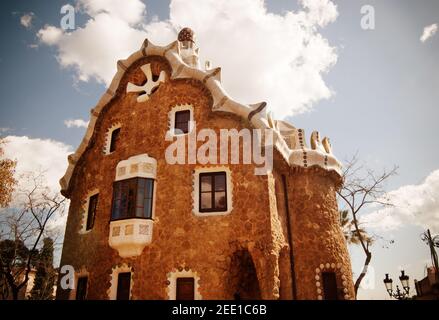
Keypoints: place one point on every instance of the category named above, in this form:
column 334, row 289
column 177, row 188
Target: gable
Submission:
column 288, row 141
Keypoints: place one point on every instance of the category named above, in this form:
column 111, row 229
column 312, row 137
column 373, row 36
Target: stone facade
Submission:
column 280, row 234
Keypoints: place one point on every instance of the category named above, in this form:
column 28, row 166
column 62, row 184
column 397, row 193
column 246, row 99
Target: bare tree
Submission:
column 350, row 232
column 7, row 181
column 23, row 227
column 362, row 188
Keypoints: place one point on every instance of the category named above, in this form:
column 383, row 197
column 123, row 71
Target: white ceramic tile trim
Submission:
column 172, row 280
column 112, row 292
column 84, row 209
column 339, row 271
column 318, row 155
column 108, row 137
column 171, row 118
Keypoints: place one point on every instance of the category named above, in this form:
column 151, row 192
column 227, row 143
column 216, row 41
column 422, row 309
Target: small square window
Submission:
column 213, row 192
column 182, row 121
column 114, row 139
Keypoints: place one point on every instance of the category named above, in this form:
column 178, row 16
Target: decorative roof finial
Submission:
column 186, row 34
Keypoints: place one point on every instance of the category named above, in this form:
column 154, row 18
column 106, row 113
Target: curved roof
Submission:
column 288, row 140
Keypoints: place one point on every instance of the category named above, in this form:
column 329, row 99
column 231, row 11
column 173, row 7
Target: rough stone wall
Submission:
column 180, row 239
column 284, row 259
column 318, row 241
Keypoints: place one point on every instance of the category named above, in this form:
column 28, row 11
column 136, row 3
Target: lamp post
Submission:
column 398, row 294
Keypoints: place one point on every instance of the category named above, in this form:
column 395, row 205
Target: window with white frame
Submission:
column 181, row 119
column 89, row 211
column 121, row 283
column 112, row 140
column 212, row 191
column 183, row 285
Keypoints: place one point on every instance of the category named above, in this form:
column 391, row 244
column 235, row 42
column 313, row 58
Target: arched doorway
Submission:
column 243, row 282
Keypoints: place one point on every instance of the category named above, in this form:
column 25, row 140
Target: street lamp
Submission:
column 398, row 294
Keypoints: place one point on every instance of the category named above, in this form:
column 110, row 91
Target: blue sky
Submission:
column 381, row 100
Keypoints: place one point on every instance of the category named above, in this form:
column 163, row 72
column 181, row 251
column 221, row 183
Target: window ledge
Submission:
column 130, row 236
column 212, row 213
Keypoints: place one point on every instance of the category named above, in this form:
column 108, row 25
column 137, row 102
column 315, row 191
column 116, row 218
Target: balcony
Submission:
column 133, row 205
column 130, row 236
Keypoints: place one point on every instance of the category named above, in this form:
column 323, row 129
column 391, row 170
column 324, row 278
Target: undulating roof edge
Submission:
column 288, row 140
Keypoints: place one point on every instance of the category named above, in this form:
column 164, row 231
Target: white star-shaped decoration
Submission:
column 146, row 89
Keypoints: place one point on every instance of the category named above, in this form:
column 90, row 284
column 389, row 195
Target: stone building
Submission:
column 140, row 227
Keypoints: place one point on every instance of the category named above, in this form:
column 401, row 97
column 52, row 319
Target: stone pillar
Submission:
column 318, row 242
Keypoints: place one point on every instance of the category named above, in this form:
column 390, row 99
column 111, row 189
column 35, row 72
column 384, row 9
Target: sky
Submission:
column 373, row 92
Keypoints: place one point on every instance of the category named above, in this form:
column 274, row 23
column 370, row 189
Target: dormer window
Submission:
column 114, row 139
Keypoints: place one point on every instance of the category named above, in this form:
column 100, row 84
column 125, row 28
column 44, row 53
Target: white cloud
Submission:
column 429, row 31
column 278, row 58
column 77, row 123
column 50, row 35
column 413, row 204
column 131, row 12
column 320, row 12
column 38, row 155
column 26, row 20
